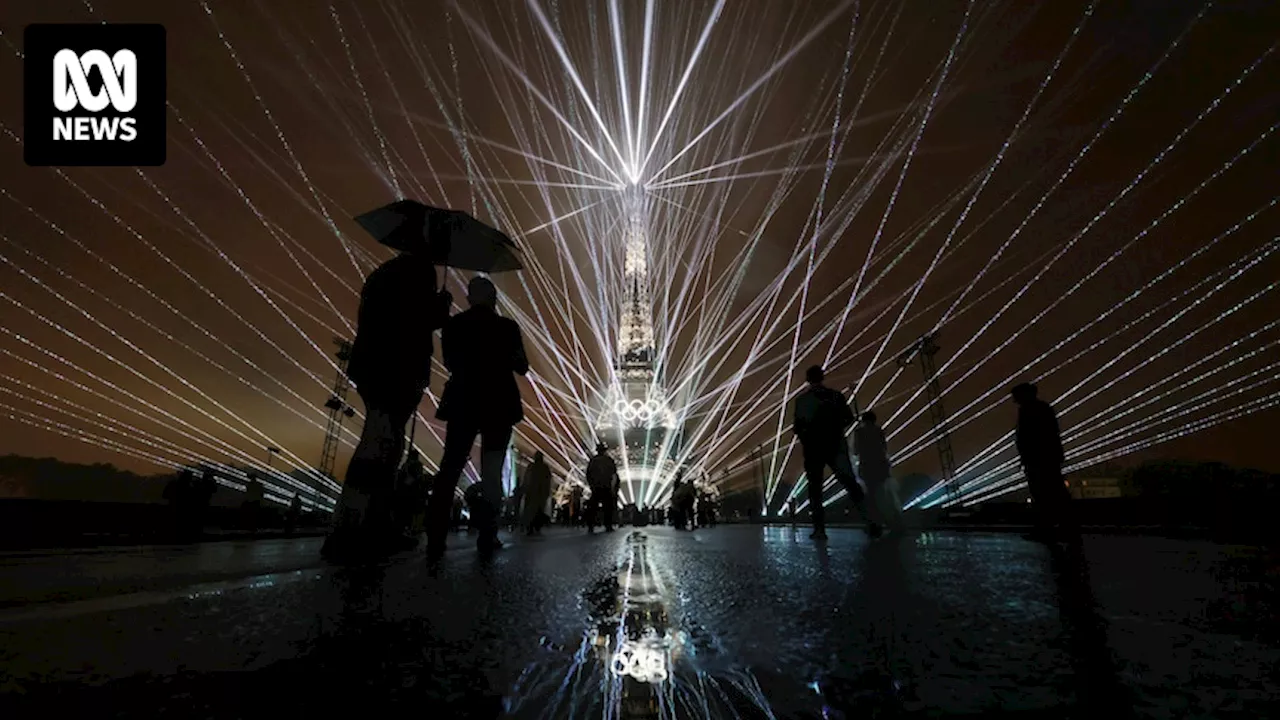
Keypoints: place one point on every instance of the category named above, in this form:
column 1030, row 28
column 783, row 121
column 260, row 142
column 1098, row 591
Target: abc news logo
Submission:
column 95, row 95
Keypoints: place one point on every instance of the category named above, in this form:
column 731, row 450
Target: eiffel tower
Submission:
column 636, row 421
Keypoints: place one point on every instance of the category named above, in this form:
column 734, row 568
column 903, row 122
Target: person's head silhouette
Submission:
column 1023, row 393
column 869, row 418
column 481, row 292
column 537, row 457
column 814, row 375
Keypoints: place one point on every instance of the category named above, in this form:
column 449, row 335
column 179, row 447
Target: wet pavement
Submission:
column 729, row 622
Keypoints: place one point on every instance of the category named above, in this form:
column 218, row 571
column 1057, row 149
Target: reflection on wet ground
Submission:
column 635, row 660
column 734, row 622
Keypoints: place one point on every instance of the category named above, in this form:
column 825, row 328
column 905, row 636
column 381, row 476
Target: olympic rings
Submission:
column 645, row 664
column 638, row 411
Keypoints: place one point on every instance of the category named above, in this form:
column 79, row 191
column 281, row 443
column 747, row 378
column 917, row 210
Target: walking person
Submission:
column 678, row 519
column 535, row 490
column 872, row 449
column 687, row 499
column 1039, row 441
column 822, row 416
column 483, row 352
column 602, row 476
column 390, row 366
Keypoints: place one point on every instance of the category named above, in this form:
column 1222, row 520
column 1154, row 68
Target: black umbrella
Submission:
column 453, row 238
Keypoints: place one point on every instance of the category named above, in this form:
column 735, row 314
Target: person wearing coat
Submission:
column 483, row 353
column 602, row 477
column 1039, row 441
column 535, row 490
column 821, row 417
column 390, row 366
column 872, row 449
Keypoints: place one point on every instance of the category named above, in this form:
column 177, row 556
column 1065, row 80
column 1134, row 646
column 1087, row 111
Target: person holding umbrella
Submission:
column 483, row 352
column 401, row 305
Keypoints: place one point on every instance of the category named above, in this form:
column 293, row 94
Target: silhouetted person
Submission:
column 791, row 510
column 390, row 365
column 251, row 509
column 676, row 509
column 873, row 465
column 706, row 510
column 577, row 506
column 685, row 498
column 602, row 476
column 1039, row 442
column 821, row 417
column 681, row 511
column 534, row 491
column 483, row 352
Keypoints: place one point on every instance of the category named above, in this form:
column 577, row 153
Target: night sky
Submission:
column 223, row 275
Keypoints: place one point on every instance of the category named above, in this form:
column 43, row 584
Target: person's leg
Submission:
column 1042, row 501
column 381, row 519
column 815, row 473
column 842, row 464
column 1062, row 515
column 364, row 465
column 494, row 443
column 610, row 509
column 458, row 439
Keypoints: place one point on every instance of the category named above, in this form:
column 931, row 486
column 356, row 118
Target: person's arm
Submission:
column 521, row 366
column 798, row 422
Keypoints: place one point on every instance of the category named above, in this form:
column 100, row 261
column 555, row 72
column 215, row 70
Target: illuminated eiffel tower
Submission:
column 635, row 421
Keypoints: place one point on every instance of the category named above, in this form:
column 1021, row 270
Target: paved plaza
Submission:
column 734, row 621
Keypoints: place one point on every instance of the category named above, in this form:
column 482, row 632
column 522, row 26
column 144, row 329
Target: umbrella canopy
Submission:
column 452, row 237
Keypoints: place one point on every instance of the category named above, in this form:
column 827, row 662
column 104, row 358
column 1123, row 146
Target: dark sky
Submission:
column 310, row 111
